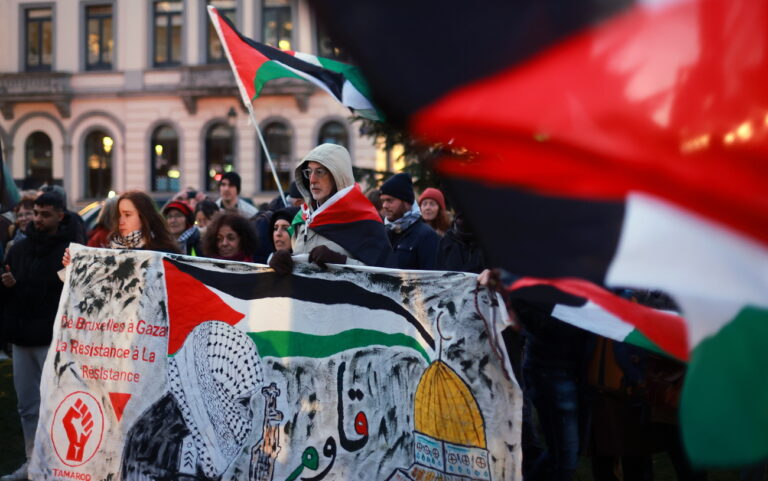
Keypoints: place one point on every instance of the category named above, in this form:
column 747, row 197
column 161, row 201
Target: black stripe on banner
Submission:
column 333, row 80
column 535, row 235
column 264, row 285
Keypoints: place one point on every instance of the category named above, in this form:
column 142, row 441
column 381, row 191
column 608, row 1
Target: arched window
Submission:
column 277, row 136
column 164, row 152
column 219, row 154
column 333, row 133
column 38, row 160
column 97, row 153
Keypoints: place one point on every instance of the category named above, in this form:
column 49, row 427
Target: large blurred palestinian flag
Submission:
column 624, row 143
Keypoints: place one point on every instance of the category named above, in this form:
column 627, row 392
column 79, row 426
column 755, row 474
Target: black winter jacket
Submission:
column 29, row 307
column 459, row 251
column 416, row 247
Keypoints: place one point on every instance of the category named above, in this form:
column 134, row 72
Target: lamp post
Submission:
column 107, row 142
column 232, row 117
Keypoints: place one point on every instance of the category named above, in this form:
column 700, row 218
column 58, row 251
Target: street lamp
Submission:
column 231, row 117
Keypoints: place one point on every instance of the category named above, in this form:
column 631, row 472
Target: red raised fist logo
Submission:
column 78, row 424
column 77, row 428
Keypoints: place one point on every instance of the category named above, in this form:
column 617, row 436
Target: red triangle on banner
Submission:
column 190, row 303
column 119, row 400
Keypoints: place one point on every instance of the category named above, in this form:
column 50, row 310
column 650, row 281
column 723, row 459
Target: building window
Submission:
column 99, row 41
column 98, row 164
column 167, row 46
column 38, row 160
column 277, row 24
column 278, row 138
column 327, row 48
column 219, row 154
column 228, row 9
column 333, row 133
column 39, row 39
column 164, row 152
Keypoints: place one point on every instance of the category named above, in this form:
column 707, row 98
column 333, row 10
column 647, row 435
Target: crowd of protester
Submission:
column 582, row 394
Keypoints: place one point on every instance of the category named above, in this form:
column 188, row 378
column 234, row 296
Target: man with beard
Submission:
column 338, row 224
column 29, row 297
column 413, row 241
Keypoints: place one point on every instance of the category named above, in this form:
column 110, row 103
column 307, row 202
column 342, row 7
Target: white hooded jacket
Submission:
column 336, row 159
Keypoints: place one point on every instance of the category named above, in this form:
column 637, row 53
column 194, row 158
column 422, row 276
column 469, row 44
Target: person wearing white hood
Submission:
column 338, row 224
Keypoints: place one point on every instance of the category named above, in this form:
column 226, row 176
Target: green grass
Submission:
column 11, row 439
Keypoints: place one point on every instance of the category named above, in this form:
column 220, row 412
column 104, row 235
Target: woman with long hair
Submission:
column 139, row 226
column 106, row 220
column 230, row 236
column 432, row 206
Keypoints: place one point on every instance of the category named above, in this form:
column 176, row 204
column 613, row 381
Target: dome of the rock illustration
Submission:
column 444, row 408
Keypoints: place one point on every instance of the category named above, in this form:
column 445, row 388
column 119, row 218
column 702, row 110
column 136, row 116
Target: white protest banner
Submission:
column 167, row 367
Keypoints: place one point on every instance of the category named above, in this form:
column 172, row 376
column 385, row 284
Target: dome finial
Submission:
column 442, row 337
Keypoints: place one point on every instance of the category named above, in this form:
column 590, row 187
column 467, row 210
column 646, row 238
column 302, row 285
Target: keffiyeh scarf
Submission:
column 133, row 240
column 214, row 377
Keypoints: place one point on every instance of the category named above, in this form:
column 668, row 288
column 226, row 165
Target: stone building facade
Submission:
column 111, row 95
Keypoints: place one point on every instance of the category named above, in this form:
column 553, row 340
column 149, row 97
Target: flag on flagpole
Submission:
column 254, row 64
column 624, row 143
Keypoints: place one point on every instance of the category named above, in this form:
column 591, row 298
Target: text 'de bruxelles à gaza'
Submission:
column 84, row 327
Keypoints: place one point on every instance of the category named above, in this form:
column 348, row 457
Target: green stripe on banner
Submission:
column 271, row 70
column 724, row 407
column 295, row 344
column 639, row 339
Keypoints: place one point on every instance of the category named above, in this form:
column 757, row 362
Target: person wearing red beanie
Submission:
column 432, row 205
column 181, row 224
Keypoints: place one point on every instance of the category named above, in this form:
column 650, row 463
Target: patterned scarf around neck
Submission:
column 186, row 235
column 404, row 222
column 134, row 240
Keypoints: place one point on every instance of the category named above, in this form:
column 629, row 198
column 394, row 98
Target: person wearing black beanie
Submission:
column 413, row 241
column 399, row 186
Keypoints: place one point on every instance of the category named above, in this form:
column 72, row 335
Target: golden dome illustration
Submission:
column 445, row 409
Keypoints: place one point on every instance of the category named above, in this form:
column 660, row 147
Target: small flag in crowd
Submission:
column 254, row 64
column 622, row 143
column 592, row 308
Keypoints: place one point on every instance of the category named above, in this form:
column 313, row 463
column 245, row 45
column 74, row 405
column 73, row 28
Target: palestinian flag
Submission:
column 349, row 219
column 624, row 143
column 254, row 64
column 592, row 308
column 290, row 316
column 9, row 194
